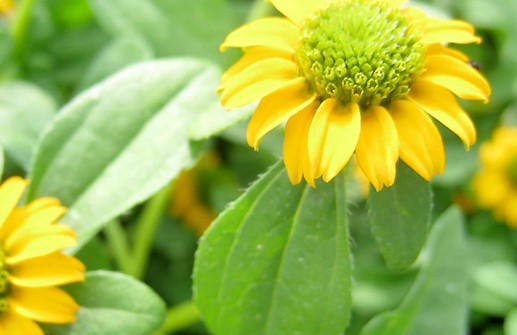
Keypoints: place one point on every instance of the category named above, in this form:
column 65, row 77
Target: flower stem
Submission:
column 118, row 245
column 146, row 229
column 20, row 27
column 179, row 317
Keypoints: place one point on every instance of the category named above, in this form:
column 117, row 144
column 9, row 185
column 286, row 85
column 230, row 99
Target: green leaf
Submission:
column 437, row 302
column 494, row 289
column 25, row 110
column 120, row 53
column 499, row 278
column 122, row 140
column 1, row 161
column 173, row 28
column 277, row 261
column 399, row 217
column 510, row 323
column 112, row 303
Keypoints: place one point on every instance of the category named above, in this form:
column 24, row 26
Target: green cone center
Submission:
column 359, row 52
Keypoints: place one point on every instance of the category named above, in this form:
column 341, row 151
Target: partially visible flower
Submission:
column 186, row 199
column 495, row 185
column 31, row 263
column 6, row 6
column 354, row 77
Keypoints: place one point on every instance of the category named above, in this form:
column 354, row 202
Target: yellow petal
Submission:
column 452, row 31
column 441, row 104
column 333, row 136
column 51, row 270
column 276, row 33
column 13, row 324
column 44, row 304
column 296, row 150
column 491, row 188
column 40, row 247
column 10, row 193
column 420, row 143
column 297, row 10
column 377, row 150
column 252, row 56
column 457, row 76
column 440, row 49
column 276, row 108
column 37, row 223
column 19, row 214
column 257, row 81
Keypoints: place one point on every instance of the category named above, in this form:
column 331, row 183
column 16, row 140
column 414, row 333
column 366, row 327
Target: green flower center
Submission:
column 363, row 52
column 4, row 282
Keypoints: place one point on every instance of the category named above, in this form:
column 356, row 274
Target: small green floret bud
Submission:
column 358, row 51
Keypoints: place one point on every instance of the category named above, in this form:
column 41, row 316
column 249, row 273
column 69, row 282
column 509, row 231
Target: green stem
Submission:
column 118, row 245
column 179, row 317
column 259, row 9
column 20, row 27
column 146, row 229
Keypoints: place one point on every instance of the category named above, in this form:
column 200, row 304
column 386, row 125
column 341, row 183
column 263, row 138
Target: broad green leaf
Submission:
column 277, row 261
column 499, row 278
column 211, row 121
column 172, row 27
column 112, row 303
column 437, row 302
column 25, row 111
column 399, row 217
column 494, row 291
column 122, row 140
column 510, row 323
column 120, row 53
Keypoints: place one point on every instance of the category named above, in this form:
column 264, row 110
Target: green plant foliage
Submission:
column 2, row 159
column 439, row 291
column 112, row 303
column 111, row 106
column 120, row 53
column 510, row 324
column 25, row 110
column 399, row 218
column 121, row 141
column 277, row 261
column 165, row 26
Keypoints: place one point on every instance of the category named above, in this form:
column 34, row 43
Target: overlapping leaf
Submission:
column 277, row 261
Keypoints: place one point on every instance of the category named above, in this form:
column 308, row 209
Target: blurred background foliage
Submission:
column 51, row 50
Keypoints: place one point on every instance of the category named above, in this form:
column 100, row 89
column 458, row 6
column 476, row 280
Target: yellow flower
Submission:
column 354, row 76
column 31, row 263
column 186, row 200
column 6, row 6
column 496, row 183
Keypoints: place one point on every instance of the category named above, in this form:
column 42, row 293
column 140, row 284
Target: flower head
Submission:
column 31, row 263
column 354, row 77
column 496, row 183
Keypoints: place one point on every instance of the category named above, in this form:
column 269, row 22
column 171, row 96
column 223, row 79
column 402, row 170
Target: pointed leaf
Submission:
column 25, row 111
column 122, row 140
column 277, row 261
column 437, row 302
column 399, row 217
column 112, row 303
